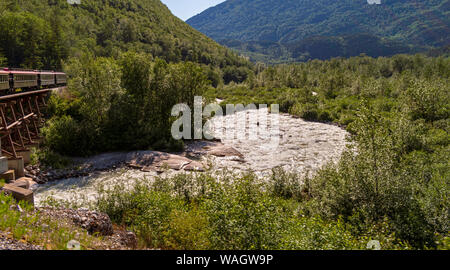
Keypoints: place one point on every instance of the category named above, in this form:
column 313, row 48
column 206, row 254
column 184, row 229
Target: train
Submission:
column 21, row 80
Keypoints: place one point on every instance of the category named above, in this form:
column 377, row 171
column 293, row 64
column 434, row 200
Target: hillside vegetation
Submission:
column 42, row 34
column 323, row 29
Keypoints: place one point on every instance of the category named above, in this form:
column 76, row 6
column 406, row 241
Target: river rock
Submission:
column 224, row 151
column 93, row 222
column 158, row 161
column 194, row 166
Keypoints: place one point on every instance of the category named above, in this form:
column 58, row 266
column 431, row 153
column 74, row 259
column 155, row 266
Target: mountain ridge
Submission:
column 417, row 23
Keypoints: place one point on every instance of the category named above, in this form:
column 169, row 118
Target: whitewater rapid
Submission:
column 291, row 143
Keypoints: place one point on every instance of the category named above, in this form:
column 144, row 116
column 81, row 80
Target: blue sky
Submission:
column 184, row 9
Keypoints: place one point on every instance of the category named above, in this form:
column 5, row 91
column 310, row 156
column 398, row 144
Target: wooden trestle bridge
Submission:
column 21, row 116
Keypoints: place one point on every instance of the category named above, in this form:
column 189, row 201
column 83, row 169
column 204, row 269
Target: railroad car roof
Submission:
column 47, row 72
column 60, row 73
column 23, row 72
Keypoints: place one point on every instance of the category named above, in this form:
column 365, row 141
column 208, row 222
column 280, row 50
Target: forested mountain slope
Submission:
column 41, row 33
column 396, row 25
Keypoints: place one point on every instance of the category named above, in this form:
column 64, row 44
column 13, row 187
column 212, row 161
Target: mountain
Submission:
column 290, row 25
column 42, row 33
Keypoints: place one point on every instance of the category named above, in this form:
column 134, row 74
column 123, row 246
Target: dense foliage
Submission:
column 331, row 91
column 226, row 212
column 120, row 104
column 399, row 114
column 298, row 30
column 319, row 47
column 42, row 34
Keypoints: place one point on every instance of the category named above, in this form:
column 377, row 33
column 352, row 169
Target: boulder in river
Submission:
column 224, row 151
column 158, row 161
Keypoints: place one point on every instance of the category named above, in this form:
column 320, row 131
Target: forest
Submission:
column 44, row 34
column 299, row 30
column 321, row 47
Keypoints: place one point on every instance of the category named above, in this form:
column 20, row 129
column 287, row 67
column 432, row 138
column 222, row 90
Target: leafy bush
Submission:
column 306, row 111
column 428, row 100
column 241, row 217
column 64, row 135
column 146, row 212
column 376, row 183
column 188, row 230
column 287, row 185
column 312, row 233
column 227, row 212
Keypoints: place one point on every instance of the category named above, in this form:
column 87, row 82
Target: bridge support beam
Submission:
column 20, row 120
column 26, row 156
column 17, row 165
column 3, row 161
column 3, row 164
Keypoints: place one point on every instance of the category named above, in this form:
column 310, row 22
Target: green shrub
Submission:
column 325, row 116
column 428, row 100
column 188, row 230
column 241, row 217
column 287, row 185
column 48, row 158
column 313, row 233
column 308, row 112
column 376, row 183
column 146, row 212
column 65, row 135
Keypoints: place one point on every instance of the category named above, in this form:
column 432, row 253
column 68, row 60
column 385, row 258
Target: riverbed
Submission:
column 261, row 141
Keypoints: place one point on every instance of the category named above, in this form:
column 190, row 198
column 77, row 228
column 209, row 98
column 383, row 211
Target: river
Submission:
column 287, row 142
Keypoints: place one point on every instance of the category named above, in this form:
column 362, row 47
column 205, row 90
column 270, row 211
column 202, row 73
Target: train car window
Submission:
column 25, row 77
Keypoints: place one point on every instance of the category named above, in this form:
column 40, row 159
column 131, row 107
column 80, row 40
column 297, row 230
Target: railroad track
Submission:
column 27, row 93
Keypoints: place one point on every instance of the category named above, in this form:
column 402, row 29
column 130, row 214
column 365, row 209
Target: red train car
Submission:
column 46, row 79
column 61, row 78
column 13, row 80
column 24, row 80
column 4, row 81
